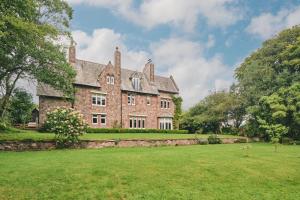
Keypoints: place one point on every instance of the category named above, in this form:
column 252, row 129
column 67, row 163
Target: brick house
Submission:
column 110, row 96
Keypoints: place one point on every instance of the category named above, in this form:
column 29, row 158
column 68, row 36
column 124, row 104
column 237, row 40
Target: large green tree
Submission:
column 263, row 76
column 29, row 31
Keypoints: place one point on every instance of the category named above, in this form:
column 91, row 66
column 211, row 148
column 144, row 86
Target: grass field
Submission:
column 186, row 172
column 33, row 135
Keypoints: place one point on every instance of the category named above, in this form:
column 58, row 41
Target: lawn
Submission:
column 185, row 172
column 33, row 135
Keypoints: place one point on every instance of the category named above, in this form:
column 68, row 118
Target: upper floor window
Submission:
column 99, row 100
column 131, row 99
column 110, row 79
column 164, row 103
column 136, row 83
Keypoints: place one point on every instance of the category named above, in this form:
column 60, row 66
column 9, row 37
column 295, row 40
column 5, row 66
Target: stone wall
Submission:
column 97, row 144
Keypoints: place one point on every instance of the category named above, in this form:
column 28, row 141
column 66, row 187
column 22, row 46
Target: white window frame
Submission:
column 112, row 80
column 94, row 116
column 108, row 79
column 166, row 123
column 136, row 83
column 102, row 116
column 131, row 99
column 99, row 98
column 136, row 122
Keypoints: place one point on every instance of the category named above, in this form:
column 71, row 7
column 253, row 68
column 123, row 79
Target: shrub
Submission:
column 67, row 125
column 213, row 139
column 125, row 130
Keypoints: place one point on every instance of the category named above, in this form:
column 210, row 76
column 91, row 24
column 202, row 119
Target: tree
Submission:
column 279, row 113
column 21, row 106
column 275, row 66
column 215, row 111
column 28, row 31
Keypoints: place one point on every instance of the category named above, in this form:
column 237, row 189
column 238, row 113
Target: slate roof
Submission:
column 88, row 72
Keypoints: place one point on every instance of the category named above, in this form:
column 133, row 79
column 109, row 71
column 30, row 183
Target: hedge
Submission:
column 125, row 130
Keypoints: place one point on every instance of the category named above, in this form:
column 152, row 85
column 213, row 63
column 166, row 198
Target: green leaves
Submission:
column 28, row 29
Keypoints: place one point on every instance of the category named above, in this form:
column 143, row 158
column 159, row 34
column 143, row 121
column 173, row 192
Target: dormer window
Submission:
column 136, row 83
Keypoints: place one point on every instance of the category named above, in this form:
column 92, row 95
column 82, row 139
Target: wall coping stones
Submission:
column 30, row 145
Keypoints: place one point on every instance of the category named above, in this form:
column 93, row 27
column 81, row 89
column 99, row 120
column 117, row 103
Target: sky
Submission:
column 199, row 42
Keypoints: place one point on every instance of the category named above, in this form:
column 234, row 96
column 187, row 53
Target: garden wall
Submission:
column 97, row 144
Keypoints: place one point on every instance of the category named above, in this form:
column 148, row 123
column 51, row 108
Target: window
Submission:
column 103, row 119
column 131, row 99
column 165, row 123
column 95, row 119
column 110, row 80
column 148, row 100
column 98, row 100
column 137, row 122
column 164, row 103
column 136, row 83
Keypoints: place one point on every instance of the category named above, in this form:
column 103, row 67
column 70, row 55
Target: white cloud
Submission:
column 100, row 46
column 194, row 74
column 267, row 25
column 182, row 58
column 183, row 14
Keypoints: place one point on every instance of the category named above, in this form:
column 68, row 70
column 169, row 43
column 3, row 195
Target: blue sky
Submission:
column 199, row 42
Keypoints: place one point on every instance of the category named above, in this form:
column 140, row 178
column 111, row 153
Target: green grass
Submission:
column 187, row 172
column 36, row 136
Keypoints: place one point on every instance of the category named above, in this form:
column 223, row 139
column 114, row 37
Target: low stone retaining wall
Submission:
column 97, row 144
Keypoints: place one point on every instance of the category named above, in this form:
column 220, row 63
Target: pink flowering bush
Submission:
column 67, row 124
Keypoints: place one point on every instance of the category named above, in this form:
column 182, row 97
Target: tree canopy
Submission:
column 28, row 31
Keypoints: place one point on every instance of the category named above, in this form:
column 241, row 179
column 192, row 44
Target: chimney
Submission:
column 117, row 58
column 149, row 70
column 72, row 52
column 117, row 63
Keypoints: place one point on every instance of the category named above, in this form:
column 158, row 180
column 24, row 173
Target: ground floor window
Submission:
column 166, row 123
column 137, row 122
column 96, row 117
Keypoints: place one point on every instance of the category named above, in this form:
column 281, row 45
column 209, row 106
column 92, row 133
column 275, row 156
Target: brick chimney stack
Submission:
column 149, row 70
column 117, row 63
column 72, row 52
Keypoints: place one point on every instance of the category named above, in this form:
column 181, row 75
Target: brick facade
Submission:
column 117, row 111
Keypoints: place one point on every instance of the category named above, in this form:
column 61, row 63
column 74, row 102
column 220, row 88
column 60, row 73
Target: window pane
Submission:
column 132, row 99
column 129, row 99
column 130, row 123
column 161, row 104
column 95, row 119
column 143, row 123
column 168, row 104
column 134, row 123
column 98, row 100
column 139, row 123
column 94, row 101
column 108, row 79
column 103, row 119
column 103, row 101
column 165, row 104
column 112, row 80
